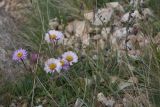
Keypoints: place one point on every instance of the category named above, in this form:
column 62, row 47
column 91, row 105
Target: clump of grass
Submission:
column 155, row 5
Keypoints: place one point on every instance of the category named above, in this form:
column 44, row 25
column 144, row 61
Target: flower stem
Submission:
column 24, row 64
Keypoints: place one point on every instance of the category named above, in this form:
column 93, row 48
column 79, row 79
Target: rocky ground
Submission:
column 9, row 41
column 110, row 27
column 7, row 44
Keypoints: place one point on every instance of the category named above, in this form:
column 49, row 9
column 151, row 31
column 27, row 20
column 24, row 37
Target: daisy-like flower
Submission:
column 53, row 36
column 19, row 55
column 70, row 57
column 52, row 65
column 65, row 65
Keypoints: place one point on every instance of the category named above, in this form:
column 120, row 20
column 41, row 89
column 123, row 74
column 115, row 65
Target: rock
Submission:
column 109, row 102
column 120, row 33
column 135, row 3
column 135, row 14
column 140, row 100
column 136, row 29
column 133, row 80
column 135, row 54
column 17, row 10
column 101, row 44
column 97, row 30
column 122, row 85
column 115, row 6
column 129, row 44
column 2, row 3
column 69, row 28
column 88, row 82
column 144, row 42
column 105, row 32
column 95, row 57
column 156, row 39
column 131, row 68
column 133, row 39
column 67, row 35
column 79, row 29
column 126, row 45
column 38, row 100
column 89, row 16
column 2, row 54
column 65, row 41
column 79, row 103
column 44, row 101
column 9, row 69
column 94, row 30
column 53, row 24
column 97, row 37
column 60, row 27
column 91, row 30
column 101, row 17
column 114, row 79
column 70, row 42
column 125, row 17
column 143, row 100
column 77, row 46
column 114, row 42
column 25, row 104
column 85, row 39
column 13, row 105
column 147, row 13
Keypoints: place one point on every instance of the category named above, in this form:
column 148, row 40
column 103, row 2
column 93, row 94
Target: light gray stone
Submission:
column 8, row 43
column 101, row 17
column 115, row 6
column 97, row 37
column 135, row 14
column 79, row 29
column 109, row 102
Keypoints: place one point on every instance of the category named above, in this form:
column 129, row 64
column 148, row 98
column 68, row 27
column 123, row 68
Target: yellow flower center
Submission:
column 69, row 58
column 52, row 37
column 20, row 54
column 52, row 66
column 62, row 62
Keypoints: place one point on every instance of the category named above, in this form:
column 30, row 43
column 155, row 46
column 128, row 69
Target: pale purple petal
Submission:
column 23, row 57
